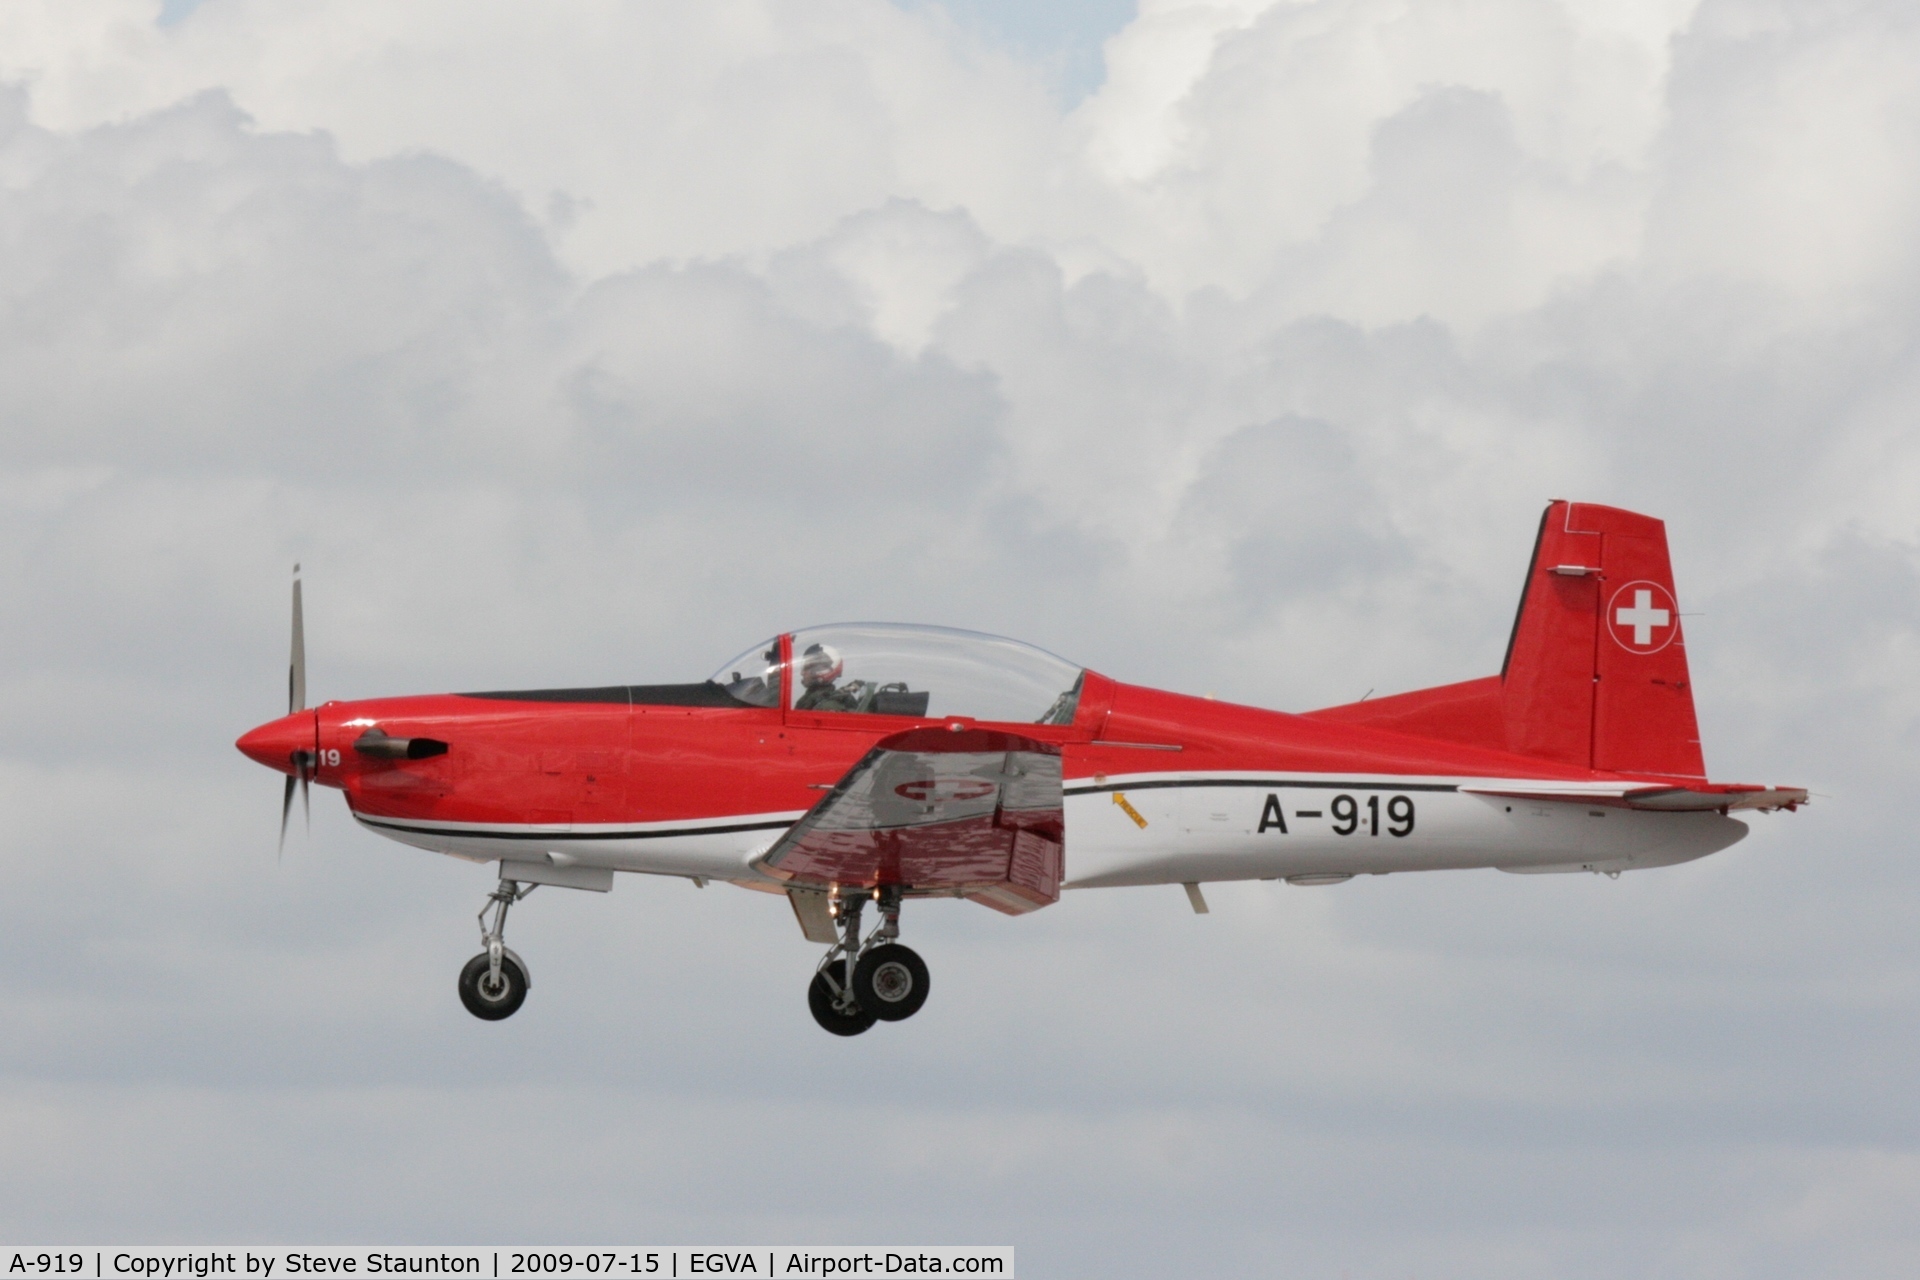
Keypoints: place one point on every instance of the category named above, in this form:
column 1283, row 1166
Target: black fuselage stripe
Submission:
column 508, row 834
column 1266, row 783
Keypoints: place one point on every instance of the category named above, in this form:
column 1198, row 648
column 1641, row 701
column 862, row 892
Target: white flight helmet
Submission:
column 819, row 665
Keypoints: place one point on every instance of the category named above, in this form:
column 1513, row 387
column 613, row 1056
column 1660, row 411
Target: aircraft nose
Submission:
column 273, row 743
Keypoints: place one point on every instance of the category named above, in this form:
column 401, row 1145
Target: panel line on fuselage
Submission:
column 1200, row 780
column 479, row 831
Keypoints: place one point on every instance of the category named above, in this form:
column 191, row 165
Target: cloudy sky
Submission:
column 1228, row 346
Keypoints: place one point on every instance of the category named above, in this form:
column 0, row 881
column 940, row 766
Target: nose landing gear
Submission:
column 859, row 983
column 493, row 985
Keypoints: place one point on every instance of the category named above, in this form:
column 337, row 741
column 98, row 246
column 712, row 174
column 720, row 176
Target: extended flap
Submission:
column 974, row 812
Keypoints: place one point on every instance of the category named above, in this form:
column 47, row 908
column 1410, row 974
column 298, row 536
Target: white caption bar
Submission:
column 627, row 1262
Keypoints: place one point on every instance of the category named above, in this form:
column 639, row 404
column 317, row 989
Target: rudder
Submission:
column 1596, row 668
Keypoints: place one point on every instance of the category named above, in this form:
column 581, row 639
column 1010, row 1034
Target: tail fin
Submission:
column 1596, row 668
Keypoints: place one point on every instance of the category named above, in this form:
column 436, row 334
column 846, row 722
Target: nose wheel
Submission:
column 860, row 983
column 493, row 985
column 489, row 994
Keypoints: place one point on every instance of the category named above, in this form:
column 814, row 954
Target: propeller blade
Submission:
column 303, row 761
column 297, row 666
column 286, row 811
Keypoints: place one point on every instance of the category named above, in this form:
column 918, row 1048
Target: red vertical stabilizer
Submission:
column 1596, row 668
column 1643, row 719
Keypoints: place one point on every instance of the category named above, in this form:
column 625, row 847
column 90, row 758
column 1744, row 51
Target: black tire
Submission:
column 891, row 980
column 496, row 1005
column 821, row 995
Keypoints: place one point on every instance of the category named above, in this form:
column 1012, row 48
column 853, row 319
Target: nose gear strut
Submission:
column 493, row 985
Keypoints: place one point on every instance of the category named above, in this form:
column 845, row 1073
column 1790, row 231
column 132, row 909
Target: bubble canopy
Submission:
column 890, row 668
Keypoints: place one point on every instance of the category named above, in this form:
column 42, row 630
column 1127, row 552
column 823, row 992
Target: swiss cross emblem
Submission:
column 1643, row 617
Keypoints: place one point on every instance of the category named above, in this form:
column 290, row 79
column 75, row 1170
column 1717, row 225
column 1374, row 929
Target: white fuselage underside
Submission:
column 1196, row 829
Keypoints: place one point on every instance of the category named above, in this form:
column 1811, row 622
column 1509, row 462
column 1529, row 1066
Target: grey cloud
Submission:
column 196, row 293
column 1295, row 509
column 696, row 382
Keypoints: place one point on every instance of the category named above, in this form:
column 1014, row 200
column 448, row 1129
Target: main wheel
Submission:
column 839, row 1015
column 487, row 999
column 891, row 980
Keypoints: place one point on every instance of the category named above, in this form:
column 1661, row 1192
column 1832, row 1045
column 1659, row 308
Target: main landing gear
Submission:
column 860, row 983
column 494, row 983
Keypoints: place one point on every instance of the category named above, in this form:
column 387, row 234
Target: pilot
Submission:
column 820, row 666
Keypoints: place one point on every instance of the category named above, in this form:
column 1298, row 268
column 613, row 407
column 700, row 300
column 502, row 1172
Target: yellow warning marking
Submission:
column 1120, row 799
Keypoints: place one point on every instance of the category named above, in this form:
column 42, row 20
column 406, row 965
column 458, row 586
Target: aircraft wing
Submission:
column 972, row 813
column 1699, row 797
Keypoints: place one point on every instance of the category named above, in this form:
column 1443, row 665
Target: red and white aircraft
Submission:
column 862, row 763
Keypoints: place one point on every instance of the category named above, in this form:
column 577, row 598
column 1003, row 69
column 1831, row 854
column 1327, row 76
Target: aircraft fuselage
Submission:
column 1160, row 788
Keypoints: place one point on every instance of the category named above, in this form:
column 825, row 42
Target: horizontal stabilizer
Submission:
column 1707, row 797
